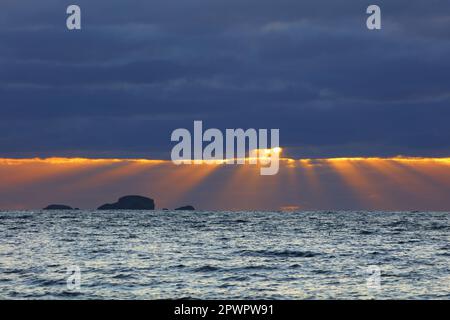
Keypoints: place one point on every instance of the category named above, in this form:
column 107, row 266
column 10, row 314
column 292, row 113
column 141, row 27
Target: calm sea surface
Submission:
column 224, row 255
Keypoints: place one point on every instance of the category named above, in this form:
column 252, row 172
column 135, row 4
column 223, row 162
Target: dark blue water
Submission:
column 224, row 255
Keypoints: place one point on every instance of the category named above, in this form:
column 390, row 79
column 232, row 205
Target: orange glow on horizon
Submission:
column 370, row 182
column 306, row 161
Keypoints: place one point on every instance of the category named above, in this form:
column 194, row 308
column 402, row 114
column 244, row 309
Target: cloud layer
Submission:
column 140, row 69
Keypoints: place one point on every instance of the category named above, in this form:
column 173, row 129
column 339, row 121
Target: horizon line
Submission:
column 62, row 160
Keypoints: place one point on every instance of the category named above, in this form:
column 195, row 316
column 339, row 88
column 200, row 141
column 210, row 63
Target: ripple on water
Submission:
column 280, row 254
column 206, row 269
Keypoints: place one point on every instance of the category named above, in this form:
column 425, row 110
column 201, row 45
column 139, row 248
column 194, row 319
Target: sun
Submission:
column 265, row 154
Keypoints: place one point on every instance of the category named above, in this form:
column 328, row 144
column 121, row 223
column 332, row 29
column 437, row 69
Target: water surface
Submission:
column 225, row 255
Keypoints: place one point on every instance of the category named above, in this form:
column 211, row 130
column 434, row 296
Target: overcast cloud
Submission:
column 140, row 69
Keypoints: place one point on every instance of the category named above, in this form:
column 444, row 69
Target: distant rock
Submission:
column 130, row 203
column 185, row 208
column 165, row 209
column 58, row 207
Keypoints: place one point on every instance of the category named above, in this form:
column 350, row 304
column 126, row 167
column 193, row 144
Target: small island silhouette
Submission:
column 185, row 208
column 132, row 202
column 58, row 207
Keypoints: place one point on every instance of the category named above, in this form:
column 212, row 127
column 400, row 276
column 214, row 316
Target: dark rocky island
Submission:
column 130, row 203
column 124, row 203
column 58, row 207
column 185, row 208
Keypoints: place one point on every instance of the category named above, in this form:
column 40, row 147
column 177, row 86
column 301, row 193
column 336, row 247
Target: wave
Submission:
column 282, row 254
column 206, row 269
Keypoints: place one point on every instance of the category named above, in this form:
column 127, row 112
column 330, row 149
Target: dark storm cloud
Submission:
column 140, row 69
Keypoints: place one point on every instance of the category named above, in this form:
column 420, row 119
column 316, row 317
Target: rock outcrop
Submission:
column 130, row 203
column 58, row 207
column 185, row 208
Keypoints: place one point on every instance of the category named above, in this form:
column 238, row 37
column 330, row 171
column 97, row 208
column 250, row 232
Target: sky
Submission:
column 309, row 184
column 140, row 69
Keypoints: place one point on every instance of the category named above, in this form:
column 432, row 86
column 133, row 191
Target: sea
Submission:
column 224, row 255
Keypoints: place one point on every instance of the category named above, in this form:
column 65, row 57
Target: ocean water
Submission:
column 224, row 255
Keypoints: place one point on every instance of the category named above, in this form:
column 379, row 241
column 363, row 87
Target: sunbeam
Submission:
column 363, row 183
